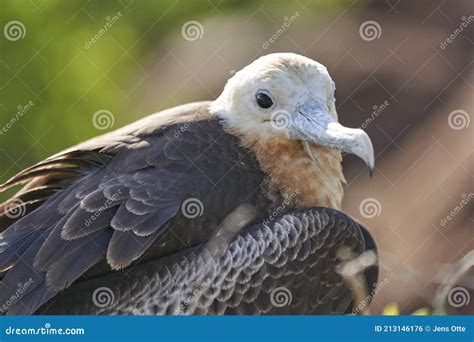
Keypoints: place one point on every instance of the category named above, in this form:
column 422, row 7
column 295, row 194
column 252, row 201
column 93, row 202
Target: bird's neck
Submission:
column 302, row 181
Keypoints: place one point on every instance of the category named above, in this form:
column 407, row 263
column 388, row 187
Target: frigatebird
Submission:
column 206, row 208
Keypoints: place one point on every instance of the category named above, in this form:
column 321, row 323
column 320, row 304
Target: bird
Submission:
column 228, row 206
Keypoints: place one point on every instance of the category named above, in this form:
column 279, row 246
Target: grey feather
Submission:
column 242, row 278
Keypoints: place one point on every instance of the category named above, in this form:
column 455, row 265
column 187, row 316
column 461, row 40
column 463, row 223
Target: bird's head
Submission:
column 290, row 96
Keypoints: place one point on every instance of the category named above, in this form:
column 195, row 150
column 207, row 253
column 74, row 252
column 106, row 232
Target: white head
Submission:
column 288, row 95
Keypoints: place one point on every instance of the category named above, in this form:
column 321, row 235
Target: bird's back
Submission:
column 140, row 193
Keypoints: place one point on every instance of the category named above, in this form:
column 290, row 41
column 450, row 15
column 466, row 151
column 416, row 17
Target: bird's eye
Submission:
column 263, row 100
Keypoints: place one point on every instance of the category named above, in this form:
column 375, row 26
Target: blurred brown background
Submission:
column 403, row 71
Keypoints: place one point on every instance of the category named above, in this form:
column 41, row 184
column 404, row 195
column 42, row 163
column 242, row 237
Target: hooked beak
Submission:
column 313, row 123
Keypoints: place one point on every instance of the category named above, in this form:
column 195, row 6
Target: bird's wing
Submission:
column 112, row 198
column 284, row 266
column 59, row 171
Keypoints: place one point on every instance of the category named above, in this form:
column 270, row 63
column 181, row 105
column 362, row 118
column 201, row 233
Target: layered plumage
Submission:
column 139, row 211
column 282, row 267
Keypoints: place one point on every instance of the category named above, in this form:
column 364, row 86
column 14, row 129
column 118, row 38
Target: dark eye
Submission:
column 263, row 100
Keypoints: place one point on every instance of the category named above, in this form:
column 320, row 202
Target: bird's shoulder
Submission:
column 151, row 125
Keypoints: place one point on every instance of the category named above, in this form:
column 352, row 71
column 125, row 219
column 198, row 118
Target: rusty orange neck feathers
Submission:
column 308, row 183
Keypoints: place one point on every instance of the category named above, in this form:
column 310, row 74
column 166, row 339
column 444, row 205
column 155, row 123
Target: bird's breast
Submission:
column 301, row 181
